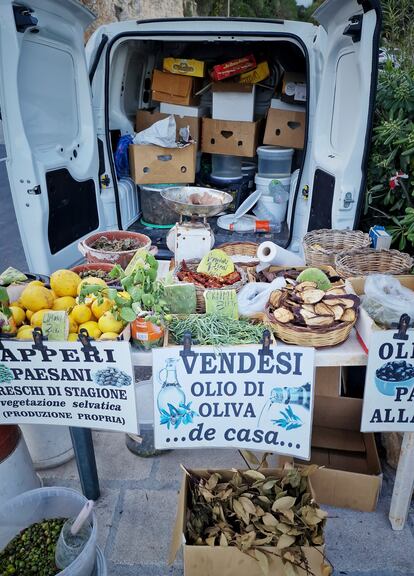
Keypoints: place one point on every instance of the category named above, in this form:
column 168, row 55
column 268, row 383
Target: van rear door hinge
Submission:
column 23, row 18
column 36, row 190
column 354, row 29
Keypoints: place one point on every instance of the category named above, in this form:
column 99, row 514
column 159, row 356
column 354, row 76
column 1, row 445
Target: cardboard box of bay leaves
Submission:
column 227, row 560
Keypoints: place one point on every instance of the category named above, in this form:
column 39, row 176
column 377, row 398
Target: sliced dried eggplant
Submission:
column 275, row 298
column 283, row 315
column 306, row 286
column 336, row 292
column 306, row 314
column 349, row 315
column 322, row 309
column 320, row 321
column 337, row 311
column 312, row 296
column 309, row 308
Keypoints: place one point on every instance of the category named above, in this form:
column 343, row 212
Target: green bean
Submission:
column 213, row 330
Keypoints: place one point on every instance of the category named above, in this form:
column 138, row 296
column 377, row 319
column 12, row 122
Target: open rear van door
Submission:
column 49, row 128
column 340, row 131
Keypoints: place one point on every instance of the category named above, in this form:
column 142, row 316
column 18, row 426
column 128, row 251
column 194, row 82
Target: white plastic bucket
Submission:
column 49, row 446
column 46, row 503
column 264, row 183
column 17, row 474
column 267, row 209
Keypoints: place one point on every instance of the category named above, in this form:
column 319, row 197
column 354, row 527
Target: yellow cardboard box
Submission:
column 184, row 67
column 261, row 72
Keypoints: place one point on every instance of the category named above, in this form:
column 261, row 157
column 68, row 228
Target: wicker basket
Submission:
column 313, row 337
column 201, row 303
column 370, row 261
column 242, row 249
column 322, row 246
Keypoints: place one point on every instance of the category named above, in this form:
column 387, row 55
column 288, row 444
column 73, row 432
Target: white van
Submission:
column 64, row 106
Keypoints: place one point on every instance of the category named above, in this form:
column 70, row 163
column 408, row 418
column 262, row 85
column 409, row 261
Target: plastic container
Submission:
column 274, row 161
column 45, row 503
column 49, row 446
column 226, row 166
column 128, row 200
column 249, row 170
column 154, row 209
column 17, row 474
column 272, row 208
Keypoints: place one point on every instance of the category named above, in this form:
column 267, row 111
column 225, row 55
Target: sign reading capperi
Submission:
column 235, row 397
column 389, row 384
column 222, row 303
column 68, row 383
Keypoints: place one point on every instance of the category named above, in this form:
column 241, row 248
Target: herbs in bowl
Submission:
column 115, row 244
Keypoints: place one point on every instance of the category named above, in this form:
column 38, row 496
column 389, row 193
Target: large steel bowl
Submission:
column 178, row 199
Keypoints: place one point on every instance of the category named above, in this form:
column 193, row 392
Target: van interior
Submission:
column 132, row 63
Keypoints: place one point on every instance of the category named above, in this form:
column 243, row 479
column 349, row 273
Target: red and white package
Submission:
column 233, row 68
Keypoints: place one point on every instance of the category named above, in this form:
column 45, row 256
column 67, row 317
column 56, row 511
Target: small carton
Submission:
column 380, row 239
column 156, row 165
column 285, row 126
column 366, row 325
column 257, row 75
column 187, row 111
column 145, row 119
column 349, row 456
column 229, row 560
column 233, row 68
column 233, row 101
column 184, row 67
column 294, row 88
column 230, row 138
column 174, row 88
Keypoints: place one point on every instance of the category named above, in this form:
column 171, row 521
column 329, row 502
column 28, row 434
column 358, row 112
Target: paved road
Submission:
column 11, row 249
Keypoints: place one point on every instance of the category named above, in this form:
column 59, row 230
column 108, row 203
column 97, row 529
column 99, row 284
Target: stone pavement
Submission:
column 137, row 509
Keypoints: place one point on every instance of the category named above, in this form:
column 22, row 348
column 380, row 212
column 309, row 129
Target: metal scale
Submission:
column 191, row 238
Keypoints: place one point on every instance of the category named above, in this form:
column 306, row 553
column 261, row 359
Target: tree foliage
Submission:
column 286, row 9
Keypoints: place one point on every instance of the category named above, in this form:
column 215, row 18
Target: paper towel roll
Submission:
column 270, row 254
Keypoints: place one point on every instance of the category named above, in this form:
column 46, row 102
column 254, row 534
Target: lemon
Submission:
column 73, row 327
column 93, row 329
column 25, row 334
column 19, row 315
column 64, row 303
column 36, row 298
column 125, row 294
column 35, row 283
column 99, row 309
column 109, row 336
column 65, row 282
column 15, row 303
column 108, row 323
column 81, row 313
column 37, row 318
column 91, row 280
column 73, row 337
column 29, row 314
column 24, row 327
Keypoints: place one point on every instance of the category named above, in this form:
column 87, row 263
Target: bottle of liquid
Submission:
column 282, row 397
column 171, row 393
column 250, row 225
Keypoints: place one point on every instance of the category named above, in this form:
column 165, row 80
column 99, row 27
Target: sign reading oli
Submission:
column 234, row 397
column 68, row 383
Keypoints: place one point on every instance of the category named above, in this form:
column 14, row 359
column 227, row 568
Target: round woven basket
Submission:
column 370, row 261
column 242, row 249
column 322, row 246
column 312, row 337
column 201, row 303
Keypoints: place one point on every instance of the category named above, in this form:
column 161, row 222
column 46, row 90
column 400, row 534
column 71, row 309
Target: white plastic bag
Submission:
column 161, row 133
column 386, row 300
column 253, row 297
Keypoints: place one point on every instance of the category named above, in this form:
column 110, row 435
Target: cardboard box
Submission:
column 257, row 75
column 187, row 111
column 173, row 88
column 184, row 67
column 229, row 561
column 350, row 457
column 145, row 119
column 231, row 138
column 328, row 381
column 233, row 101
column 285, row 128
column 294, row 87
column 365, row 325
column 156, row 165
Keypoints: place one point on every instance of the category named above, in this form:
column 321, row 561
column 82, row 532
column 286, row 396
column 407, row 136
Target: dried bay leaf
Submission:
column 248, row 505
column 269, row 520
column 284, row 503
column 223, row 540
column 263, row 562
column 213, row 481
column 285, row 541
column 254, row 475
column 269, row 485
column 240, row 511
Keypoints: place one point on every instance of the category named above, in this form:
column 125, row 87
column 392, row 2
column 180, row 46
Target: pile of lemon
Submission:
column 95, row 315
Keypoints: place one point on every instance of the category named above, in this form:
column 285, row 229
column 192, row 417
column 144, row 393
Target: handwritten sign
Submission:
column 55, row 325
column 389, row 384
column 222, row 303
column 69, row 384
column 235, row 397
column 216, row 263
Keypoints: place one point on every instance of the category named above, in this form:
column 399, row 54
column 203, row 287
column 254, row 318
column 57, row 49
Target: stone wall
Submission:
column 116, row 10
